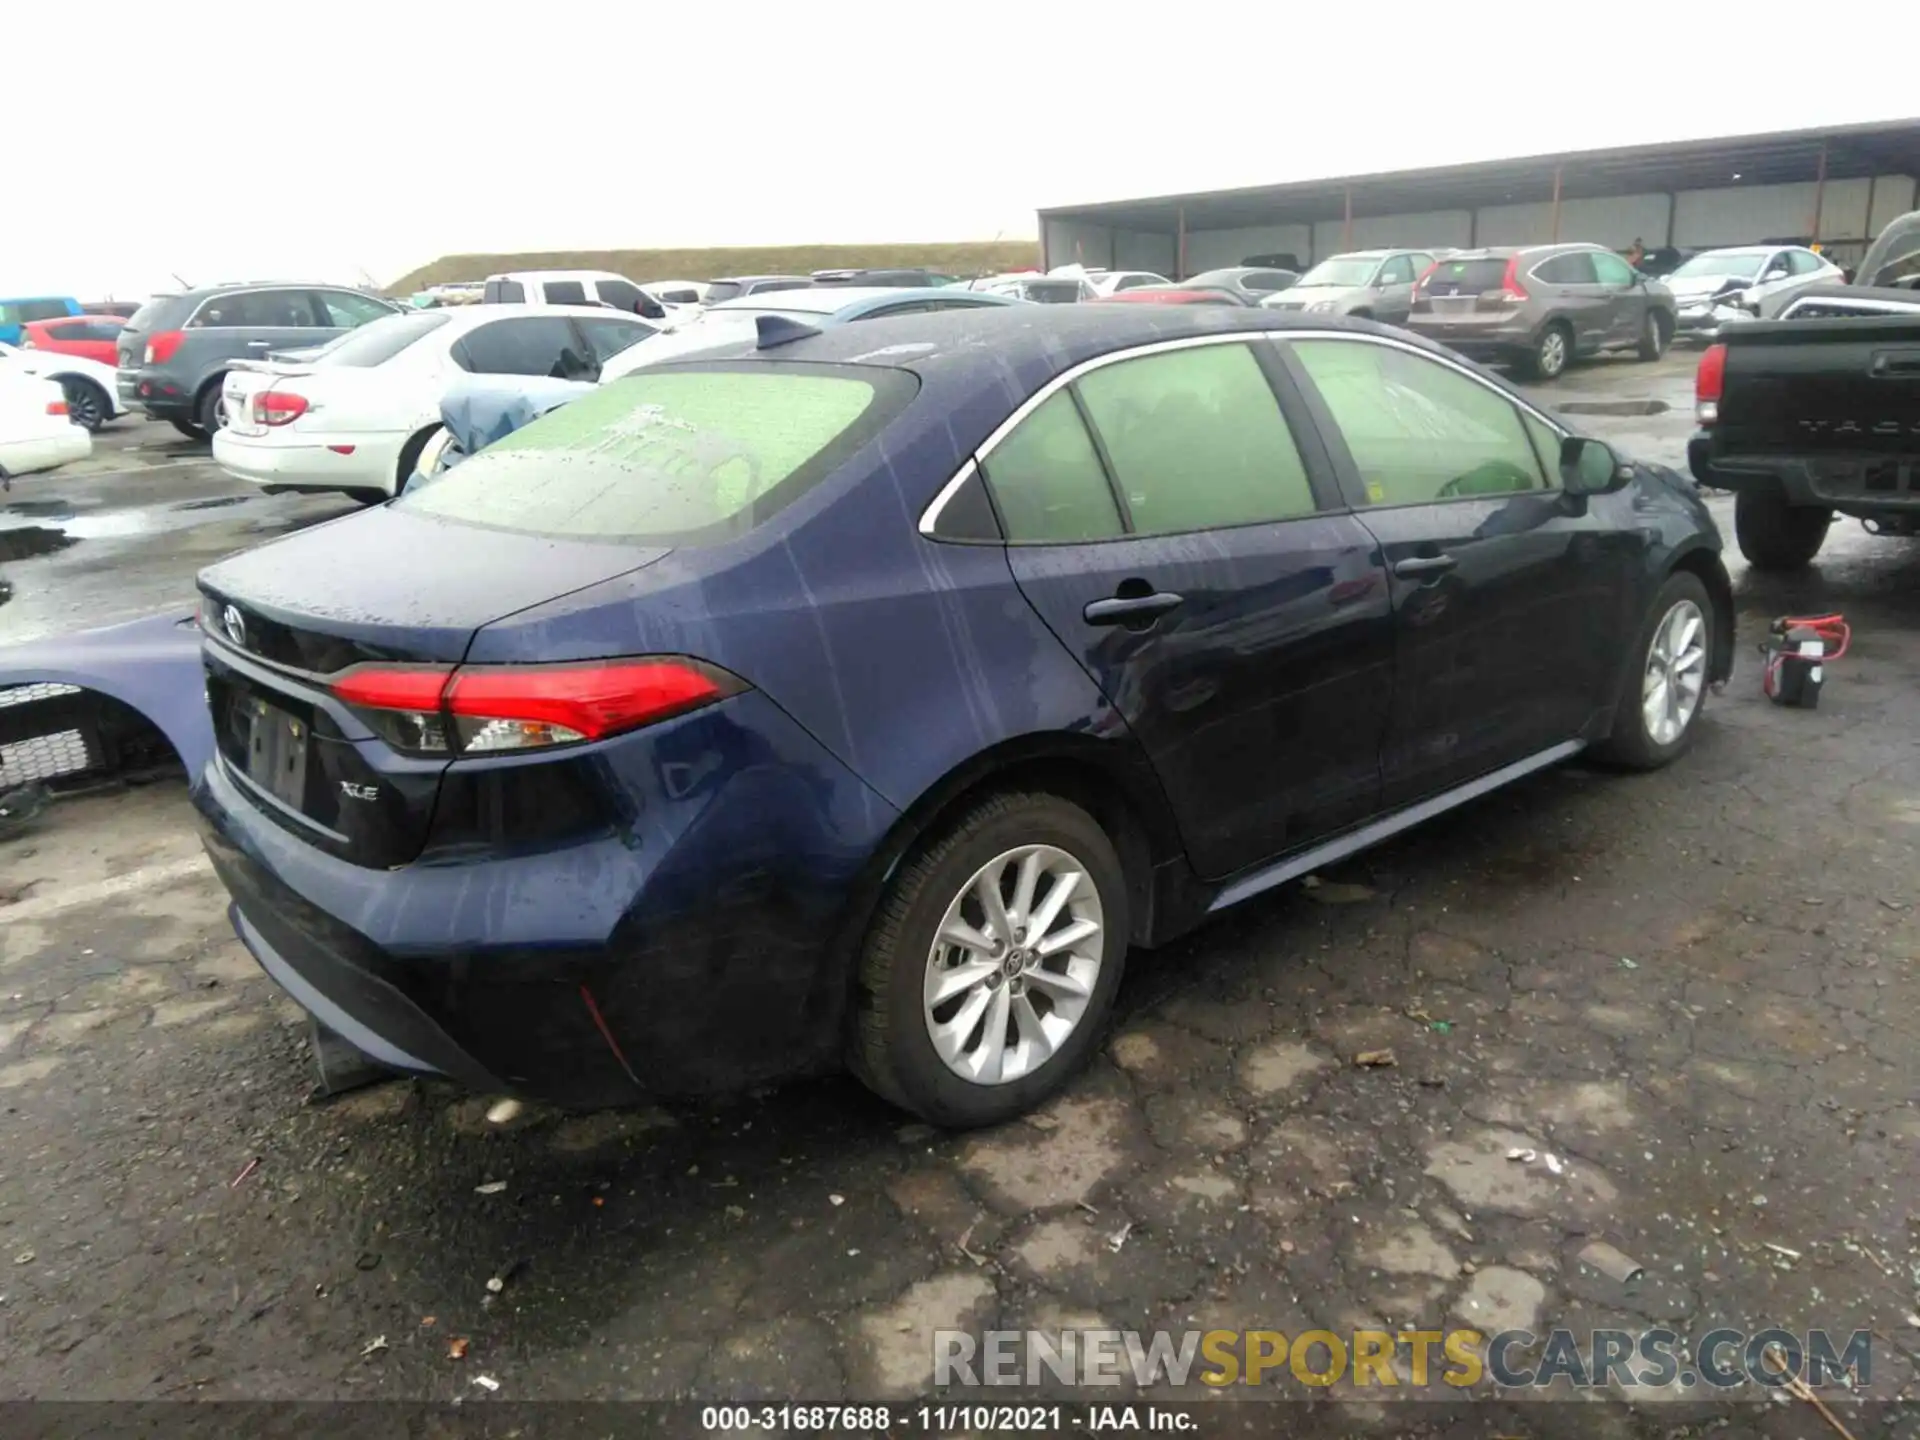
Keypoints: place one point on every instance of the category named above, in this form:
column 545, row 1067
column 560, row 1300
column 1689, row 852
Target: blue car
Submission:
column 862, row 695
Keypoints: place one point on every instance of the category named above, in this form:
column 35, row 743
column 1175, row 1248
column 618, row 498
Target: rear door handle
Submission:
column 1131, row 610
column 1416, row 566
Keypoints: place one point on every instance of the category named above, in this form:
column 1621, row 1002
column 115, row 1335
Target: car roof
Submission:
column 1744, row 250
column 745, row 279
column 227, row 287
column 545, row 275
column 467, row 316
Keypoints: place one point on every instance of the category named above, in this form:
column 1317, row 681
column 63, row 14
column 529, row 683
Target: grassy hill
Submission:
column 966, row 257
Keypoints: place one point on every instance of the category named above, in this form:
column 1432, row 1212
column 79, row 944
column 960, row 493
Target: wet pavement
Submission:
column 1699, row 991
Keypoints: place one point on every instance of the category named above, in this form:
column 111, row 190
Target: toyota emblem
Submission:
column 236, row 627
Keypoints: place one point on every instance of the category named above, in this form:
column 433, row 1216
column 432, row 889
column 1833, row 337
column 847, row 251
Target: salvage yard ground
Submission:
column 1701, row 989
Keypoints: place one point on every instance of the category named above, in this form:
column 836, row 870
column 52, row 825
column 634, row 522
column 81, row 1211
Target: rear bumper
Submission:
column 1857, row 484
column 1480, row 342
column 703, row 929
column 306, row 465
column 155, row 394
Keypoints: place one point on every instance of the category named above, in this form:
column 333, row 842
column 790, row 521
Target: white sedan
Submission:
column 92, row 396
column 355, row 416
column 36, row 432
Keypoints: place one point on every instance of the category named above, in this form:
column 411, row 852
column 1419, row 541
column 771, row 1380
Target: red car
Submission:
column 94, row 336
column 1168, row 295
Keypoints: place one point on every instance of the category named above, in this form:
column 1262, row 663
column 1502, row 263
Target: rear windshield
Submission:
column 1465, row 277
column 687, row 454
column 379, row 341
column 724, row 290
column 150, row 314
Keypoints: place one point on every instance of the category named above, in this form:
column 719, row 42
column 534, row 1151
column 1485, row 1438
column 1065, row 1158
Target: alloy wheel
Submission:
column 1553, row 353
column 84, row 407
column 1676, row 673
column 1013, row 965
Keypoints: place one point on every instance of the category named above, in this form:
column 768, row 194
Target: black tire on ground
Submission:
column 1774, row 535
column 1655, row 335
column 1360, row 314
column 188, row 429
column 890, row 1048
column 1551, row 353
column 208, row 413
column 87, row 404
column 367, row 495
column 1631, row 745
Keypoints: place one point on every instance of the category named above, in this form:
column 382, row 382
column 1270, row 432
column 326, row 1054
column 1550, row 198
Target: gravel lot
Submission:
column 1701, row 989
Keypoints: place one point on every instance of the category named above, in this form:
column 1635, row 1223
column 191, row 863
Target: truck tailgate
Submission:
column 1822, row 388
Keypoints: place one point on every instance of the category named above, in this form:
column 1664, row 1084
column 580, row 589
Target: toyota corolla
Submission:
column 861, row 696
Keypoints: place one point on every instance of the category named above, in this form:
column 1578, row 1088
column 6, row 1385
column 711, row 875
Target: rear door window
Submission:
column 564, row 292
column 525, row 345
column 618, row 293
column 687, row 454
column 503, row 292
column 258, row 310
column 1197, row 441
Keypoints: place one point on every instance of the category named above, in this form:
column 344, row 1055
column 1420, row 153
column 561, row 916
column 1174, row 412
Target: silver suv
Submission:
column 1540, row 307
column 1371, row 284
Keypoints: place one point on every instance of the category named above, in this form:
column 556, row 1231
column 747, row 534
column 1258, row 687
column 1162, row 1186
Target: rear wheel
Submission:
column 188, row 429
column 210, row 414
column 1774, row 535
column 87, row 404
column 1664, row 694
column 367, row 495
column 1551, row 353
column 992, row 962
column 1655, row 335
column 410, row 455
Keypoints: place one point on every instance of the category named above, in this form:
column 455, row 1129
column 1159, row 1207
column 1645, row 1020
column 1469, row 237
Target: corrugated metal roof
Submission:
column 1853, row 151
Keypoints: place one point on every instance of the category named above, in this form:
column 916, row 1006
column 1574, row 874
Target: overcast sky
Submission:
column 285, row 140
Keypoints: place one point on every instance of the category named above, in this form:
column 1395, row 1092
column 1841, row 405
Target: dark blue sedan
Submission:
column 861, row 695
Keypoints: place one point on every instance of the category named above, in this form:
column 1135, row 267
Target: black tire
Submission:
column 890, row 1048
column 1551, row 353
column 87, row 404
column 1775, row 535
column 367, row 495
column 1360, row 315
column 1632, row 745
column 207, row 411
column 1655, row 335
column 188, row 429
column 410, row 457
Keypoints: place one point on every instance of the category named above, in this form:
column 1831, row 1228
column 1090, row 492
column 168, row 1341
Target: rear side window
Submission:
column 724, row 290
column 1574, row 269
column 1804, row 262
column 503, row 292
column 768, row 285
column 86, row 330
column 155, row 312
column 1047, row 479
column 529, row 345
column 1466, row 277
column 1197, row 441
column 43, row 309
column 257, row 309
column 565, row 292
column 379, row 342
column 682, row 454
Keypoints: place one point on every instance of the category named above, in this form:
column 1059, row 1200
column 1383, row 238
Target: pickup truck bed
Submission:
column 1807, row 417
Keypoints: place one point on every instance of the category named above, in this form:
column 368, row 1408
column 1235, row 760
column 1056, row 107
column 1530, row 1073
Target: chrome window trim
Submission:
column 930, row 517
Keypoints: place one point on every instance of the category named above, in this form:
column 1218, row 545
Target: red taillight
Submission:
column 278, row 407
column 1708, row 383
column 56, row 407
column 160, row 347
column 490, row 709
column 1511, row 290
column 1420, row 283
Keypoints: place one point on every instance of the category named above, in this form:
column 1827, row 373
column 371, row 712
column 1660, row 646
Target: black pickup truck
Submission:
column 1818, row 412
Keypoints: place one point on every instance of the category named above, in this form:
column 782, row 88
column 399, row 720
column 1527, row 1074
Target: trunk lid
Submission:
column 1829, row 389
column 383, row 585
